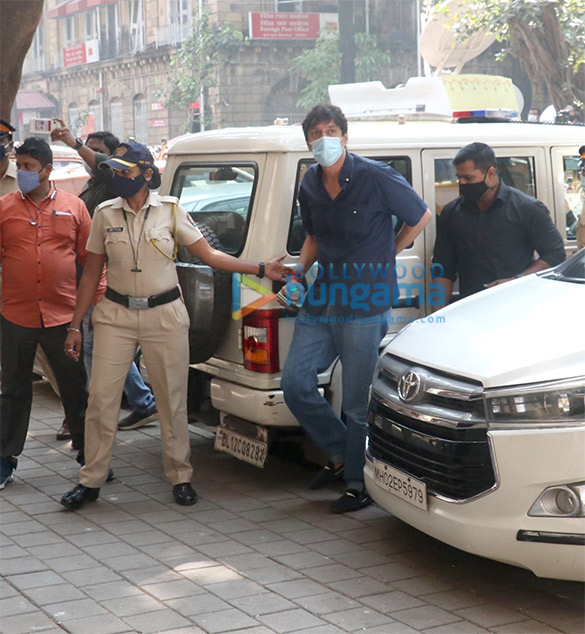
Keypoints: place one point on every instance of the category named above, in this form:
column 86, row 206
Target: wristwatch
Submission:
column 261, row 267
column 78, row 143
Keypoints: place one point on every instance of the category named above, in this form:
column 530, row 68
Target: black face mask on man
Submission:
column 472, row 192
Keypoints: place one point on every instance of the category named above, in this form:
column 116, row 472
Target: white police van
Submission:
column 251, row 176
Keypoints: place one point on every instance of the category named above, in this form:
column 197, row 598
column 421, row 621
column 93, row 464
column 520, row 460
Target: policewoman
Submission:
column 136, row 236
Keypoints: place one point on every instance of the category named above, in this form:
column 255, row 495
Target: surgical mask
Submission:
column 2, row 152
column 532, row 117
column 27, row 181
column 327, row 150
column 472, row 192
column 127, row 187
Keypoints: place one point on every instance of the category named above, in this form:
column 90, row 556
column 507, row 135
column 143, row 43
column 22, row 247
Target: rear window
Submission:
column 220, row 196
column 297, row 235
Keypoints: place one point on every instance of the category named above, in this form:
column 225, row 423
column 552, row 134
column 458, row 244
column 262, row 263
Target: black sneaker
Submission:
column 137, row 419
column 325, row 476
column 7, row 466
column 351, row 500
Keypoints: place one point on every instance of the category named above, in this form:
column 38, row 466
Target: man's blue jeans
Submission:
column 314, row 347
column 138, row 395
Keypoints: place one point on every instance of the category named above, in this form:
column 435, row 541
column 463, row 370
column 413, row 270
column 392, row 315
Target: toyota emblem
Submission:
column 409, row 386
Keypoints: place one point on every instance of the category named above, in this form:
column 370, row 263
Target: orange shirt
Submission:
column 39, row 246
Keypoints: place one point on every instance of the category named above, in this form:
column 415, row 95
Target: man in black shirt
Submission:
column 489, row 234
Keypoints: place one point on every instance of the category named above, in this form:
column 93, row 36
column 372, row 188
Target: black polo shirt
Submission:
column 498, row 243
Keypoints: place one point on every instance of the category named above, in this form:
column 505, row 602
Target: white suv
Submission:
column 477, row 423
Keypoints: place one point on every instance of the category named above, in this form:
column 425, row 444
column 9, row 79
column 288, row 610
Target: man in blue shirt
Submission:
column 348, row 204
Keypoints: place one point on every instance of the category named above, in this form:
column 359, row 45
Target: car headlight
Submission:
column 547, row 403
column 566, row 500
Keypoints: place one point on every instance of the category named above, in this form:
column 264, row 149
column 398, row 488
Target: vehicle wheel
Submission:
column 203, row 343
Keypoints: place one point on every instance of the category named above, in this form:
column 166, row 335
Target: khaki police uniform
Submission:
column 8, row 181
column 161, row 331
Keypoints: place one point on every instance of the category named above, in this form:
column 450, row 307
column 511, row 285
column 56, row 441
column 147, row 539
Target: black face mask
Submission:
column 472, row 192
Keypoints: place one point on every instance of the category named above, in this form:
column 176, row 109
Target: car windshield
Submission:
column 573, row 270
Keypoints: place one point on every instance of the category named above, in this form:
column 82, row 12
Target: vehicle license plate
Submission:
column 240, row 446
column 400, row 484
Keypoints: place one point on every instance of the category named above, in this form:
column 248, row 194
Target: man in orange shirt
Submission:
column 43, row 233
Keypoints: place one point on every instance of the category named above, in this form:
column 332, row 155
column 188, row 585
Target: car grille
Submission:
column 439, row 437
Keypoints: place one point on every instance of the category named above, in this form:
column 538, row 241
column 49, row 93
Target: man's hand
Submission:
column 63, row 134
column 73, row 345
column 276, row 271
column 498, row 282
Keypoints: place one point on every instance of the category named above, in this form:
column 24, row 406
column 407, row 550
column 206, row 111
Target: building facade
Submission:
column 106, row 64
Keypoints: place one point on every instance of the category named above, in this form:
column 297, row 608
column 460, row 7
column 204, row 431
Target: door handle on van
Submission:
column 407, row 302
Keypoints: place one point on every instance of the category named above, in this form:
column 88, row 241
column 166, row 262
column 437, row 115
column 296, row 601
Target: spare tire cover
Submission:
column 206, row 335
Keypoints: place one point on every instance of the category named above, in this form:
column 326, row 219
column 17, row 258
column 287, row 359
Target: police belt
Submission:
column 141, row 303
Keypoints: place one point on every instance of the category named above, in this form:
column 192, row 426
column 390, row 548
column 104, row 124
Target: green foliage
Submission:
column 497, row 17
column 194, row 64
column 321, row 65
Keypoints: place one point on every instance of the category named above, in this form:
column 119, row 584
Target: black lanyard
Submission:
column 135, row 251
column 34, row 222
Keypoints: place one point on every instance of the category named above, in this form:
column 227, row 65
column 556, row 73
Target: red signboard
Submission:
column 74, row 55
column 289, row 26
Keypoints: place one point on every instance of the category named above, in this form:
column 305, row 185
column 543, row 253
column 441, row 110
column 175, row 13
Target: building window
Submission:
column 179, row 22
column 140, row 119
column 136, row 26
column 75, row 122
column 91, row 25
column 70, row 31
column 35, row 59
column 117, row 119
column 95, row 115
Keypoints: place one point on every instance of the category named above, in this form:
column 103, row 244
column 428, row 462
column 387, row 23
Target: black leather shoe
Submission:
column 325, row 476
column 64, row 433
column 77, row 497
column 184, row 494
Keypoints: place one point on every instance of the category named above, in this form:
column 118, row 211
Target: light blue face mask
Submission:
column 327, row 150
column 27, row 181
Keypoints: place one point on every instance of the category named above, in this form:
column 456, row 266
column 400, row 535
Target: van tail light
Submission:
column 260, row 341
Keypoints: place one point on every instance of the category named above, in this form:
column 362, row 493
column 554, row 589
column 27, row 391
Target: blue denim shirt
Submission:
column 354, row 233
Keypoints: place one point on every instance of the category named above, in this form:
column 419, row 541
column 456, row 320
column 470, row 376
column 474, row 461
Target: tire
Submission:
column 203, row 343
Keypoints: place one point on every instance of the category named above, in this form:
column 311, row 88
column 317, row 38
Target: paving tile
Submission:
column 35, row 579
column 173, row 589
column 26, row 623
column 425, row 617
column 327, row 602
column 15, row 605
column 273, row 574
column 21, row 565
column 211, row 574
column 234, row 589
column 224, row 621
column 102, row 624
column 199, row 604
column 461, row 627
column 263, row 603
column 490, row 615
column 290, row 620
column 67, row 610
column 333, row 572
column 45, row 595
column 455, row 599
column 281, row 547
column 134, row 604
column 391, row 601
column 297, row 588
column 90, row 576
column 111, row 590
column 360, row 587
column 358, row 618
column 526, row 627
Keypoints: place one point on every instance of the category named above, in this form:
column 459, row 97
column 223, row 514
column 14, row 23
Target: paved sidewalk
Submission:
column 258, row 554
